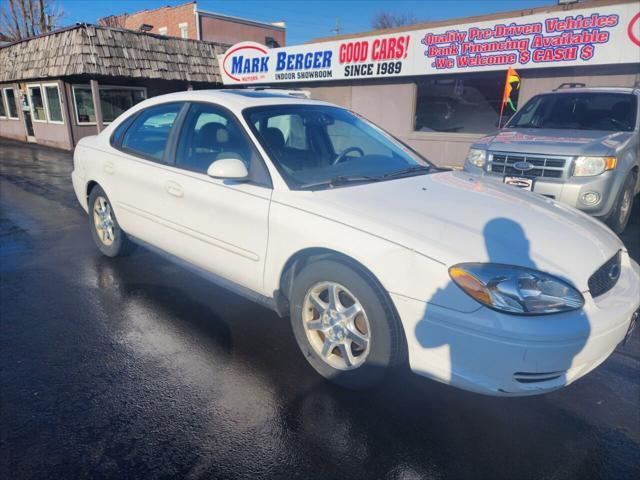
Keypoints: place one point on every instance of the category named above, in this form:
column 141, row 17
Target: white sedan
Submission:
column 379, row 258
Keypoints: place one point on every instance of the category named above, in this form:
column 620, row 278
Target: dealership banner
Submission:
column 607, row 34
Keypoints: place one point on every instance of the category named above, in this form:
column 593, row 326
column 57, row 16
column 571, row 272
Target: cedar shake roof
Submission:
column 112, row 52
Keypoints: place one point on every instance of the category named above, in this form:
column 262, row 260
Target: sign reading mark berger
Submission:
column 609, row 34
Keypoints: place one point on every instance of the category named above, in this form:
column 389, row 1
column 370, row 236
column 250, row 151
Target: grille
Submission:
column 605, row 277
column 543, row 166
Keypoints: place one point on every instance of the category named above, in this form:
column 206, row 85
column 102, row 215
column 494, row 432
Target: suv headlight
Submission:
column 515, row 290
column 477, row 157
column 592, row 166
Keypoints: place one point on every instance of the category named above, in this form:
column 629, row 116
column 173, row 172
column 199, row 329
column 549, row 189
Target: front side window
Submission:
column 54, row 108
column 150, row 131
column 210, row 134
column 312, row 145
column 10, row 96
column 37, row 103
column 604, row 111
column 462, row 103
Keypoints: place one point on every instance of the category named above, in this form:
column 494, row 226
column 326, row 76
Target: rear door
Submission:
column 137, row 174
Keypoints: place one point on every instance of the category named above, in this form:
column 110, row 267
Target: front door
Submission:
column 219, row 225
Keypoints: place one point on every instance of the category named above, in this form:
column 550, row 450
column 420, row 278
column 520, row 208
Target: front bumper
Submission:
column 498, row 354
column 571, row 191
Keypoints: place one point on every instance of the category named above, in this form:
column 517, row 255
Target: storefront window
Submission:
column 10, row 96
column 3, row 110
column 54, row 109
column 463, row 103
column 84, row 104
column 113, row 101
column 37, row 104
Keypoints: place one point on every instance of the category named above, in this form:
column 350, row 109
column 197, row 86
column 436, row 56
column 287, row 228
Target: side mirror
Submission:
column 228, row 168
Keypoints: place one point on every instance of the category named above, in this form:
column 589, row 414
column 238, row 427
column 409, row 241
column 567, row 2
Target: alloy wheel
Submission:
column 103, row 221
column 336, row 325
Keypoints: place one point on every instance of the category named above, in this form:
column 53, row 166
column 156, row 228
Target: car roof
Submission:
column 594, row 89
column 238, row 99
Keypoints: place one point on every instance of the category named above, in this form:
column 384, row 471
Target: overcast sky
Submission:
column 306, row 19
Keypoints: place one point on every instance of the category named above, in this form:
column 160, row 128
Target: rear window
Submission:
column 615, row 112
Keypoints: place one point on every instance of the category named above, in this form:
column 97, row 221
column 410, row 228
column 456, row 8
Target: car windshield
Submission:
column 578, row 111
column 323, row 146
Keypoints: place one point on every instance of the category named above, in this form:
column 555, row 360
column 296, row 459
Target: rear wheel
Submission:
column 621, row 212
column 105, row 230
column 345, row 325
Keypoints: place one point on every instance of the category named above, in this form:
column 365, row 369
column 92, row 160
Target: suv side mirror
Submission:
column 228, row 168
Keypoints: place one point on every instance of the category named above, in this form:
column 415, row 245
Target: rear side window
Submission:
column 150, row 131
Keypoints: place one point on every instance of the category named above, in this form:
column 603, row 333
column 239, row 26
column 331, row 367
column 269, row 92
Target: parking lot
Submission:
column 132, row 367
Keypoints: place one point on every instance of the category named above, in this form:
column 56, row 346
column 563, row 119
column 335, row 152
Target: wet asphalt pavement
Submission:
column 135, row 368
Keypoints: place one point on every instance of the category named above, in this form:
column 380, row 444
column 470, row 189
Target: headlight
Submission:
column 476, row 157
column 592, row 166
column 515, row 290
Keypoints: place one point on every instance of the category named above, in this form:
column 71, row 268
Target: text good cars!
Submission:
column 378, row 258
column 580, row 146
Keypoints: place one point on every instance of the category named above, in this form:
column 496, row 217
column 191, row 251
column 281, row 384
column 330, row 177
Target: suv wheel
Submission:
column 105, row 230
column 624, row 203
column 345, row 325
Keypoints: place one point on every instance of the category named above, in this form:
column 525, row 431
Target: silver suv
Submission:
column 579, row 146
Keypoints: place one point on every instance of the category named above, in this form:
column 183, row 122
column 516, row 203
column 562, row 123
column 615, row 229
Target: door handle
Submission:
column 174, row 189
column 109, row 168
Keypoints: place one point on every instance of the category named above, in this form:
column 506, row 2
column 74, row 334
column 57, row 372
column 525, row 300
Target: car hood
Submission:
column 453, row 217
column 555, row 142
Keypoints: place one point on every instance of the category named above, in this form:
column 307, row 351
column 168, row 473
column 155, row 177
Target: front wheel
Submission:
column 345, row 325
column 105, row 230
column 621, row 212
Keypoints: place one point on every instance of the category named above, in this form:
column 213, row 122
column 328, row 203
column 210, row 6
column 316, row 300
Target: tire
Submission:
column 105, row 230
column 621, row 211
column 377, row 323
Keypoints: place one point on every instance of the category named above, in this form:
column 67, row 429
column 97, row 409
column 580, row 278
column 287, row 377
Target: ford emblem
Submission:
column 523, row 166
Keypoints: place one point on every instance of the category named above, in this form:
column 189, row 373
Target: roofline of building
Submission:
column 149, row 10
column 246, row 21
column 478, row 18
column 104, row 27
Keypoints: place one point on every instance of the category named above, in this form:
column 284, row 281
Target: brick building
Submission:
column 187, row 21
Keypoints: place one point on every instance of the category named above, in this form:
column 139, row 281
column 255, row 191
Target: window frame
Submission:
column 168, row 156
column 100, row 87
column 4, row 105
column 184, row 28
column 30, row 99
column 46, row 102
column 6, row 102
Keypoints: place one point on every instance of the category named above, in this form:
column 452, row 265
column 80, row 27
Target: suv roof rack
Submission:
column 292, row 92
column 570, row 85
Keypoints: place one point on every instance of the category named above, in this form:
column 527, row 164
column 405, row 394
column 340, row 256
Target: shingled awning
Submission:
column 111, row 52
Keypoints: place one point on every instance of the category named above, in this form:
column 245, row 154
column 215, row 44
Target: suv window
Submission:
column 208, row 134
column 150, row 130
column 580, row 111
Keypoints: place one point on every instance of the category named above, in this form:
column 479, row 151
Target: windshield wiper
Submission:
column 407, row 171
column 339, row 180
